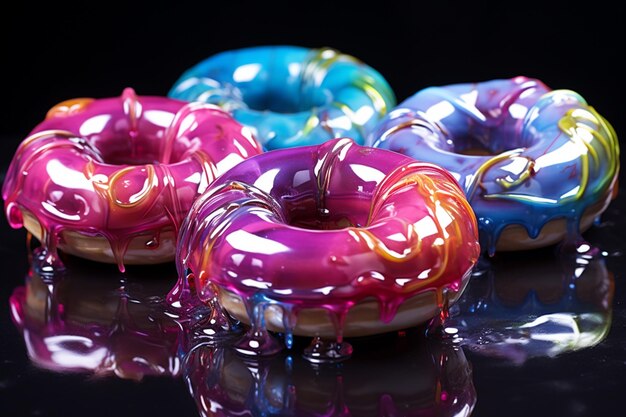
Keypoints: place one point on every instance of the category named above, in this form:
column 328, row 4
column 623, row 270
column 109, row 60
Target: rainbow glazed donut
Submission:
column 329, row 241
column 112, row 179
column 536, row 165
column 291, row 96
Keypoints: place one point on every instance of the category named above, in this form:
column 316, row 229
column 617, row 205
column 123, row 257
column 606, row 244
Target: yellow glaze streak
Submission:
column 437, row 195
column 577, row 121
column 482, row 170
column 374, row 95
column 528, row 171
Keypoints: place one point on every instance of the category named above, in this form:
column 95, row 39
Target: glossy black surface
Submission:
column 76, row 52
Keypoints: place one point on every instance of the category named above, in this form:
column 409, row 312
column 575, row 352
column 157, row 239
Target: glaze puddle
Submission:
column 324, row 351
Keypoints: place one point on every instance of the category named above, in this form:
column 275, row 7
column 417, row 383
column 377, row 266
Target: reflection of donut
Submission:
column 421, row 380
column 291, row 96
column 330, row 239
column 84, row 323
column 519, row 309
column 111, row 180
column 548, row 279
column 534, row 163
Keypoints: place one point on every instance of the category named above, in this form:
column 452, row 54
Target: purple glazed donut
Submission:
column 330, row 240
column 536, row 165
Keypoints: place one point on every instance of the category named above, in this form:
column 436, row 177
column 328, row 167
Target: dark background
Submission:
column 96, row 49
column 55, row 52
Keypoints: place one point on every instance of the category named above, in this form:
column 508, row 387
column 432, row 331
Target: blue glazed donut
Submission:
column 291, row 96
column 536, row 165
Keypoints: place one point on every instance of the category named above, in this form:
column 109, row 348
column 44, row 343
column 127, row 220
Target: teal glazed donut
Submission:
column 291, row 96
column 537, row 166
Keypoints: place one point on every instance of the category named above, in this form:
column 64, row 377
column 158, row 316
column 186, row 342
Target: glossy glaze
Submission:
column 327, row 227
column 90, row 320
column 515, row 309
column 120, row 168
column 291, row 96
column 418, row 379
column 523, row 154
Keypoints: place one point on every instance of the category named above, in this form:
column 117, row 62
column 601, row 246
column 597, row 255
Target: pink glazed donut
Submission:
column 112, row 179
column 331, row 240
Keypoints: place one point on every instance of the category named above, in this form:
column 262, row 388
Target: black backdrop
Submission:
column 96, row 49
column 57, row 51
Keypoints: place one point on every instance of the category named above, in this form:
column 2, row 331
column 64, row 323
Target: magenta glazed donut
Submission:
column 112, row 179
column 329, row 240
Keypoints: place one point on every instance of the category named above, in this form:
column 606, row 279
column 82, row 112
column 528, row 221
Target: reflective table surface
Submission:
column 541, row 332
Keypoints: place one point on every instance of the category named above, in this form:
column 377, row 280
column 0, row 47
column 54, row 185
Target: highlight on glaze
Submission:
column 119, row 168
column 291, row 96
column 515, row 309
column 525, row 155
column 396, row 377
column 326, row 227
column 86, row 322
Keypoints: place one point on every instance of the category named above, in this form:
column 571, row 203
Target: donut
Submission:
column 537, row 165
column 328, row 241
column 421, row 379
column 112, row 179
column 83, row 323
column 291, row 96
column 518, row 309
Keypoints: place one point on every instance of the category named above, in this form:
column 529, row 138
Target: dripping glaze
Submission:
column 537, row 165
column 298, row 240
column 112, row 179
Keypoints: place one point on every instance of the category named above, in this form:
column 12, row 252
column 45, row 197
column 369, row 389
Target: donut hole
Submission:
column 123, row 158
column 307, row 215
column 322, row 223
column 473, row 147
column 336, row 197
column 487, row 144
column 320, row 219
column 141, row 149
column 287, row 97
